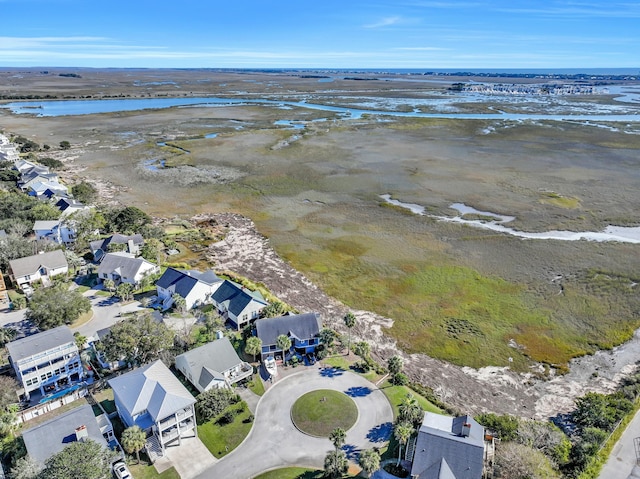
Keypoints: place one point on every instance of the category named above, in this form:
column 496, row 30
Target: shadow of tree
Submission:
column 358, row 391
column 380, row 433
column 331, row 372
column 351, row 451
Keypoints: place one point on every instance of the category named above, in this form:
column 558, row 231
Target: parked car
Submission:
column 27, row 290
column 121, row 470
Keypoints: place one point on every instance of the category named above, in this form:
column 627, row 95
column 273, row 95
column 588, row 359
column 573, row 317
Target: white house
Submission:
column 38, row 267
column 8, row 151
column 46, row 361
column 237, row 304
column 54, row 230
column 195, row 287
column 213, row 365
column 124, row 267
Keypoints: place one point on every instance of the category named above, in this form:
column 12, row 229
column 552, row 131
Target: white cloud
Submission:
column 385, row 22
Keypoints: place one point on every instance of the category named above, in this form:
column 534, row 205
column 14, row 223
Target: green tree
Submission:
column 25, row 468
column 6, row 335
column 8, row 388
column 409, row 411
column 349, row 321
column 211, row 403
column 127, row 220
column 133, row 440
column 505, row 426
column 80, row 340
column 336, row 464
column 283, row 342
column 84, row 192
column 179, row 302
column 253, row 346
column 124, row 291
column 327, row 337
column 51, row 163
column 362, row 349
column 273, row 310
column 56, row 305
column 137, row 340
column 601, row 410
column 109, row 285
column 338, row 437
column 80, row 460
column 369, row 461
column 65, row 145
column 212, row 323
column 517, row 461
column 152, row 250
column 395, row 364
column 402, row 432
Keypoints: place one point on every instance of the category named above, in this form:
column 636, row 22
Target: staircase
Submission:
column 411, row 448
column 153, row 448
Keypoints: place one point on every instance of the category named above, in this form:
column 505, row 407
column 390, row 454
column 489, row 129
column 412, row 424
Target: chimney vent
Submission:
column 81, row 433
column 466, row 429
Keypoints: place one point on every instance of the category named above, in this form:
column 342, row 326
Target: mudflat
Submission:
column 311, row 181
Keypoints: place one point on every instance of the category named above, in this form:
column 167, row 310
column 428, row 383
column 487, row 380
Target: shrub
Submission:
column 400, row 379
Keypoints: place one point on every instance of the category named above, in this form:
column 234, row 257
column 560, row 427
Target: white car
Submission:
column 121, row 470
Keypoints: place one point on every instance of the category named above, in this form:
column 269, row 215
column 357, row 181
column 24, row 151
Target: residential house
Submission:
column 213, row 365
column 23, row 166
column 37, row 174
column 8, row 151
column 54, row 230
column 38, row 267
column 152, row 398
column 78, row 424
column 45, row 190
column 47, row 361
column 451, row 447
column 129, row 244
column 195, row 287
column 302, row 329
column 69, row 206
column 237, row 304
column 124, row 267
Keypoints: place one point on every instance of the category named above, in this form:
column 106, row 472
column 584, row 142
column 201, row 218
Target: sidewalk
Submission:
column 622, row 459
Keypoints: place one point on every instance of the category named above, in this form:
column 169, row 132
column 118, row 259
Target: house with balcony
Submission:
column 128, row 243
column 55, row 230
column 451, row 447
column 194, row 286
column 46, row 362
column 78, row 424
column 302, row 329
column 124, row 267
column 237, row 304
column 152, row 398
column 38, row 267
column 213, row 365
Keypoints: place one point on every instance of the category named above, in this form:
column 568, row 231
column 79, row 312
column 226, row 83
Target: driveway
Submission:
column 275, row 442
column 623, row 455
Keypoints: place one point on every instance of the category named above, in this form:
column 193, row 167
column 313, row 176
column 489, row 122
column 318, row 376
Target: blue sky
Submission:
column 420, row 34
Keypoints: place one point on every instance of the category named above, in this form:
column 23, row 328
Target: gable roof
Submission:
column 51, row 437
column 48, row 225
column 209, row 361
column 185, row 280
column 65, row 203
column 443, row 452
column 39, row 342
column 124, row 264
column 116, row 238
column 300, row 326
column 235, row 298
column 31, row 264
column 152, row 387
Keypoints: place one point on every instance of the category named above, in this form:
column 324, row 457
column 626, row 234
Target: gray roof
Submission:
column 46, row 225
column 234, row 297
column 209, row 361
column 185, row 280
column 31, row 264
column 300, row 326
column 64, row 203
column 49, row 438
column 152, row 387
column 40, row 342
column 116, row 238
column 441, row 452
column 124, row 264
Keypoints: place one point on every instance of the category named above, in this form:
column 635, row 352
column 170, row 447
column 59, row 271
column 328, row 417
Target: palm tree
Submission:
column 125, row 291
column 402, row 432
column 336, row 464
column 133, row 440
column 179, row 302
column 409, row 410
column 275, row 309
column 283, row 342
column 369, row 461
column 394, row 364
column 109, row 285
column 338, row 437
column 253, row 346
column 349, row 322
column 7, row 335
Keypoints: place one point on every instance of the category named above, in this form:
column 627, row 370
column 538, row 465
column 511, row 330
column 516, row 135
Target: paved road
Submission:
column 623, row 456
column 275, row 442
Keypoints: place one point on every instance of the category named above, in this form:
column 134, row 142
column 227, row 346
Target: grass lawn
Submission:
column 82, row 289
column 106, row 294
column 83, row 319
column 292, row 473
column 345, row 362
column 147, row 471
column 395, row 395
column 222, row 439
column 256, row 385
column 319, row 412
